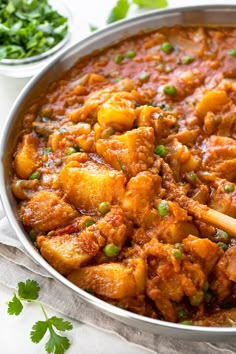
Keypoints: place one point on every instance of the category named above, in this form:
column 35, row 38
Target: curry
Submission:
column 103, row 157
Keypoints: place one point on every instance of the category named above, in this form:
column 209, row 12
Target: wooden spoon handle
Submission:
column 199, row 211
column 211, row 216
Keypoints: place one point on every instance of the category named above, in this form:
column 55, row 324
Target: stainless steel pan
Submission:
column 224, row 15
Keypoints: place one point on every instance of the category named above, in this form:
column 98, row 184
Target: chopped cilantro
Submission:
column 29, row 28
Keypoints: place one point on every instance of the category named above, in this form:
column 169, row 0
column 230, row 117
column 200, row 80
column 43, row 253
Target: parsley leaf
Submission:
column 38, row 331
column 60, row 323
column 14, row 306
column 119, row 11
column 151, row 4
column 56, row 344
column 28, row 290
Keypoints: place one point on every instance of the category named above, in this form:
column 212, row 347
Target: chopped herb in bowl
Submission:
column 29, row 28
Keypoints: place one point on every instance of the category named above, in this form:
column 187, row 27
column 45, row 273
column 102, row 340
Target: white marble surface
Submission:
column 15, row 330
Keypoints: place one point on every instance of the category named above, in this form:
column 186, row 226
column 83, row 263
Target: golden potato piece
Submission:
column 204, row 250
column 117, row 112
column 112, row 280
column 46, row 211
column 88, row 184
column 26, row 160
column 63, row 252
column 139, row 193
column 211, row 102
column 131, row 152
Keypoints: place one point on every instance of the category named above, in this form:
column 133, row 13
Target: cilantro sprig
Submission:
column 29, row 292
column 120, row 10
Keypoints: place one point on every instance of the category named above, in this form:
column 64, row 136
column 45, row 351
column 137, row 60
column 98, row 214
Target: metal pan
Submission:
column 220, row 15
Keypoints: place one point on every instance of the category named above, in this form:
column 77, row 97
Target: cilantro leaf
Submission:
column 93, row 28
column 60, row 323
column 56, row 344
column 38, row 331
column 28, row 290
column 14, row 306
column 151, row 4
column 119, row 11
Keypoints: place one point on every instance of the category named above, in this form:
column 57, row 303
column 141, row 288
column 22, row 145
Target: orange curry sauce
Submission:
column 104, row 154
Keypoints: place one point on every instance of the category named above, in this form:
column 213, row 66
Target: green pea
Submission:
column 118, row 59
column 177, row 254
column 232, row 52
column 192, row 176
column 167, row 47
column 47, row 150
column 130, row 54
column 223, row 246
column 160, row 150
column 229, row 188
column 89, row 222
column 70, row 151
column 181, row 314
column 187, row 60
column 111, row 250
column 35, row 175
column 186, row 322
column 32, row 235
column 103, row 208
column 222, row 236
column 36, row 245
column 163, row 208
column 144, row 76
column 169, row 90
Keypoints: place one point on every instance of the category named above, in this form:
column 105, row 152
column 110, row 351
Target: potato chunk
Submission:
column 220, row 156
column 211, row 102
column 117, row 112
column 63, row 252
column 46, row 211
column 131, row 152
column 228, row 263
column 112, row 280
column 88, row 184
column 204, row 251
column 26, row 160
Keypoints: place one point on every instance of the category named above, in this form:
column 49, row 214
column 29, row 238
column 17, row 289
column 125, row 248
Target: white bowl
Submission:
column 27, row 67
